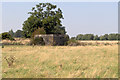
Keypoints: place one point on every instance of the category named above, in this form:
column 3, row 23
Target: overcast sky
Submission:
column 79, row 17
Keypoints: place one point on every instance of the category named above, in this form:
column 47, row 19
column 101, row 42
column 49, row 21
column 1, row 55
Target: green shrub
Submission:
column 38, row 31
column 73, row 38
column 2, row 46
column 18, row 34
column 6, row 35
column 37, row 41
column 66, row 39
column 72, row 42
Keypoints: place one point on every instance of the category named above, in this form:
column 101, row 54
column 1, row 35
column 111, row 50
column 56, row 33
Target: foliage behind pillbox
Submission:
column 6, row 35
column 38, row 40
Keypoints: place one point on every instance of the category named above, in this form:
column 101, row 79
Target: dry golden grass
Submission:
column 24, row 41
column 93, row 42
column 17, row 41
column 61, row 61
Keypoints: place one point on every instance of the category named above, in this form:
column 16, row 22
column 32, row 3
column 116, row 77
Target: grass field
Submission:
column 61, row 61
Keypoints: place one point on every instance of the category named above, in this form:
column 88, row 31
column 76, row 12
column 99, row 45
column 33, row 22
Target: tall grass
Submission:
column 61, row 61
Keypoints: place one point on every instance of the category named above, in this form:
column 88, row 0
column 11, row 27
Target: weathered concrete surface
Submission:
column 52, row 39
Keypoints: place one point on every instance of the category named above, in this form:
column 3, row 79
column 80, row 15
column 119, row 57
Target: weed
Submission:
column 10, row 60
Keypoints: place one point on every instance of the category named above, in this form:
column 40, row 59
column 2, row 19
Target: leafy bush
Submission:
column 38, row 31
column 88, row 37
column 2, row 46
column 79, row 37
column 73, row 38
column 96, row 37
column 11, row 33
column 113, row 36
column 72, row 42
column 18, row 34
column 6, row 35
column 37, row 41
column 66, row 39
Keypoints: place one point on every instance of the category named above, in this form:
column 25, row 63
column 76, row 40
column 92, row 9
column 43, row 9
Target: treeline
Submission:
column 112, row 36
column 11, row 35
column 17, row 34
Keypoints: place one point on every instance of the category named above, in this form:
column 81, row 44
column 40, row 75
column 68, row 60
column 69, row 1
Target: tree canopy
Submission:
column 11, row 33
column 44, row 15
column 6, row 35
column 111, row 36
column 18, row 34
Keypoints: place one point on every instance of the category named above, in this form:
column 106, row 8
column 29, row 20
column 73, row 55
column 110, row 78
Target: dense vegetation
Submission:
column 37, row 41
column 17, row 34
column 112, row 36
column 46, row 16
column 6, row 35
column 38, row 31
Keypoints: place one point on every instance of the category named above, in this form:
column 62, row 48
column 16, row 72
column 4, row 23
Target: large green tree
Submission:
column 6, row 35
column 112, row 36
column 88, row 37
column 18, row 33
column 106, row 36
column 11, row 33
column 96, row 37
column 44, row 15
column 79, row 37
